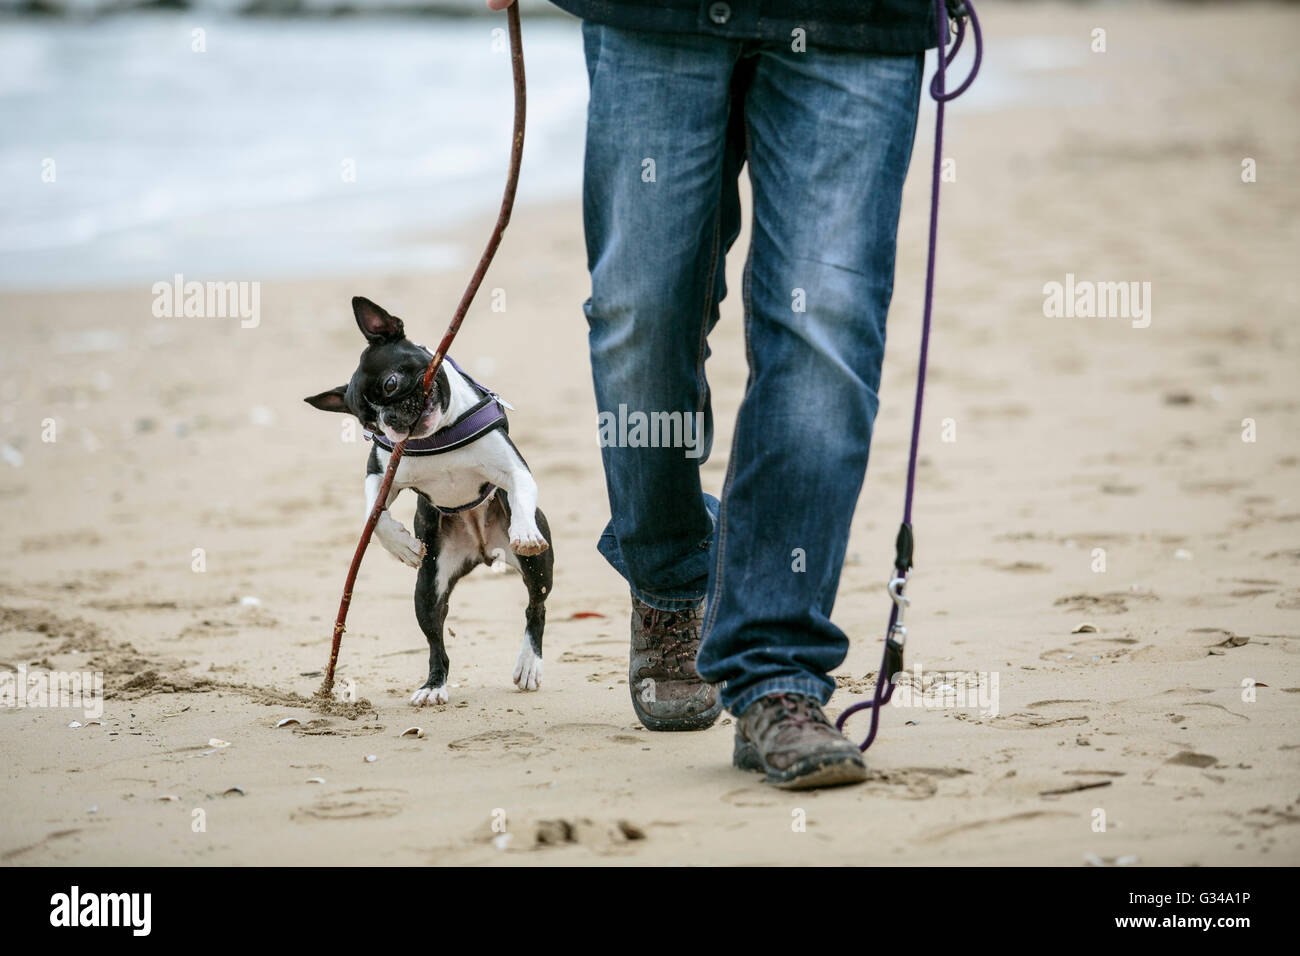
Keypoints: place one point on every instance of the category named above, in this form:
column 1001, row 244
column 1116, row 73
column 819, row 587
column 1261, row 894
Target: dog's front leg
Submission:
column 399, row 542
column 525, row 537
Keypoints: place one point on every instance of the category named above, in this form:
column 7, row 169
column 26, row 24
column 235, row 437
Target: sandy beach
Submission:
column 1108, row 526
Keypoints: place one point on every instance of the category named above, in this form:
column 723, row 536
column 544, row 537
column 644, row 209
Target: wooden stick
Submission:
column 503, row 219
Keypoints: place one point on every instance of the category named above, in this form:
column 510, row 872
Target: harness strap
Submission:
column 485, row 493
column 891, row 663
column 486, row 415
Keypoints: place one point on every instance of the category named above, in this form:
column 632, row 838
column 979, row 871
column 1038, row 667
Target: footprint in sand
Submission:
column 1112, row 602
column 1083, row 652
column 519, row 742
column 909, row 783
column 348, row 809
column 1032, row 721
column 1187, row 758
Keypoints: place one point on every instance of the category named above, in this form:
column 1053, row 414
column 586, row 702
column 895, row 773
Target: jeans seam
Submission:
column 700, row 380
column 720, row 532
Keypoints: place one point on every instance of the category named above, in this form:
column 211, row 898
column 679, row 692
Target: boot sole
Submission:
column 827, row 770
column 701, row 721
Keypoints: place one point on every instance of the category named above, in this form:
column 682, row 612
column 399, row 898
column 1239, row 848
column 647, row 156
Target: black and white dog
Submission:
column 477, row 498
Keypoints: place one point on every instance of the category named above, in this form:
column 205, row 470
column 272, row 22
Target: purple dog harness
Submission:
column 896, row 634
column 486, row 414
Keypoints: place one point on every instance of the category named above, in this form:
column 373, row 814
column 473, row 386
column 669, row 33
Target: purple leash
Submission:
column 891, row 663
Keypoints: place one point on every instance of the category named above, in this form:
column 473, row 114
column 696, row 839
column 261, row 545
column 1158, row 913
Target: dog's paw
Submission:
column 400, row 543
column 528, row 668
column 528, row 543
column 427, row 696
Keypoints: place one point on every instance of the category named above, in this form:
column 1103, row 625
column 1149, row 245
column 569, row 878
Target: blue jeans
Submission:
column 827, row 135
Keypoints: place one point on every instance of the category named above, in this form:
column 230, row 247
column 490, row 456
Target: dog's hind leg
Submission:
column 537, row 571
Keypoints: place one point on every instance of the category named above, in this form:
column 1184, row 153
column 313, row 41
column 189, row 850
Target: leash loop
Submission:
column 959, row 25
column 948, row 13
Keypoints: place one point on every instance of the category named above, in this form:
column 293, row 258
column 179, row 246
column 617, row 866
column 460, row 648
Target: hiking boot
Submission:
column 667, row 692
column 788, row 737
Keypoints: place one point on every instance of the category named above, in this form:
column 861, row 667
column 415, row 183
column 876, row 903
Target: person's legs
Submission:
column 660, row 209
column 829, row 140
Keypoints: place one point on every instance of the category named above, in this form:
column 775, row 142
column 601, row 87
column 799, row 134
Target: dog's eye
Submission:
column 391, row 383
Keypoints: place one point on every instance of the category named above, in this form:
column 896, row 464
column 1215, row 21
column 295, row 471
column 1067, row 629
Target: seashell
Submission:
column 315, row 779
column 169, row 798
column 75, row 723
column 1182, row 554
column 218, row 742
column 229, row 791
column 287, row 721
column 412, row 732
column 371, row 758
column 249, row 601
column 1085, row 628
column 94, row 723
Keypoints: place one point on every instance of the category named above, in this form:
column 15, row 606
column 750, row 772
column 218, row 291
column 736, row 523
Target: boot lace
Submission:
column 673, row 633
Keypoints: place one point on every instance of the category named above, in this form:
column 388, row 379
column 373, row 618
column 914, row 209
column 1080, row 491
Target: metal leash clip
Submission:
column 898, row 633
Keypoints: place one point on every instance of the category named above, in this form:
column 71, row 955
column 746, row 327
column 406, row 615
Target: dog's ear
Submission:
column 376, row 324
column 331, row 401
